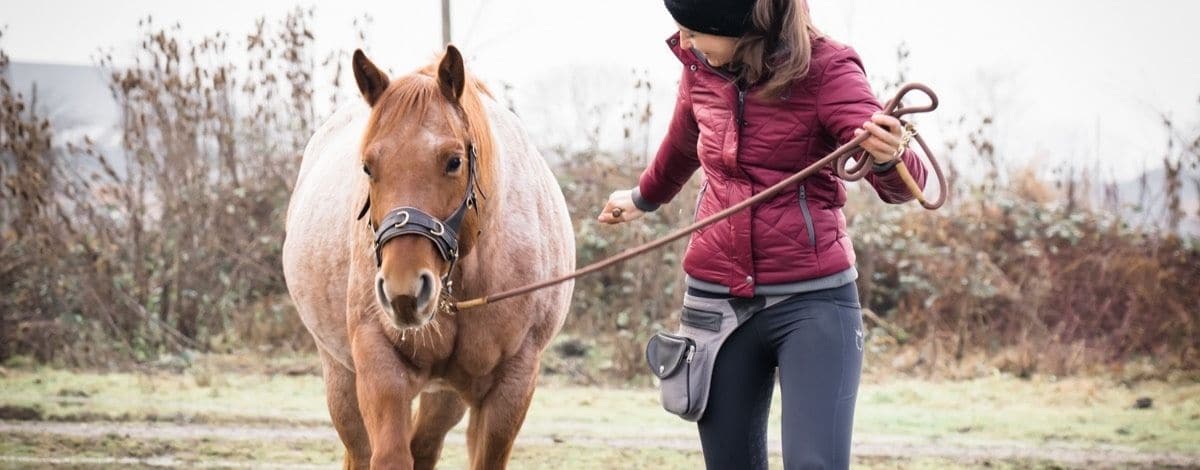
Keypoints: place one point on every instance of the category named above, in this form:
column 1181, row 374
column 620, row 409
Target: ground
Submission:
column 233, row 412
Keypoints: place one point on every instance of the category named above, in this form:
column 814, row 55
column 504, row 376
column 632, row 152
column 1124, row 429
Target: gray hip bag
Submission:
column 683, row 361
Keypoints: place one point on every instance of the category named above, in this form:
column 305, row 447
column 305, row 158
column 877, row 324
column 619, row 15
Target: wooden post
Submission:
column 445, row 23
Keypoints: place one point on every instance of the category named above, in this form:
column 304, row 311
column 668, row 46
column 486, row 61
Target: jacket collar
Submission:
column 686, row 56
column 693, row 59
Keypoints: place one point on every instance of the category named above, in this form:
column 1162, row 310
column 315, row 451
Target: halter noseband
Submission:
column 412, row 221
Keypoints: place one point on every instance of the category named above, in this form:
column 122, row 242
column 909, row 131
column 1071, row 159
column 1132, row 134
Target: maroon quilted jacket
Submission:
column 746, row 144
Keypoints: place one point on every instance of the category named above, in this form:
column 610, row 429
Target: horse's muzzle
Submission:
column 409, row 304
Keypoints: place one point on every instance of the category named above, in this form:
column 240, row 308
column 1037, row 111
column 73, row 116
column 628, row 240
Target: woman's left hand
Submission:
column 885, row 133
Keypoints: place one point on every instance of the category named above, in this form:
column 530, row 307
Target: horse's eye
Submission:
column 366, row 170
column 453, row 165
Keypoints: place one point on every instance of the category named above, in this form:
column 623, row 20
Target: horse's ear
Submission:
column 451, row 75
column 371, row 81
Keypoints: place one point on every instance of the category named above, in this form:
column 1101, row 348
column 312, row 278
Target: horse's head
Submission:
column 420, row 152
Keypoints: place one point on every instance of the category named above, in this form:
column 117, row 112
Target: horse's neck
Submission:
column 508, row 203
column 504, row 163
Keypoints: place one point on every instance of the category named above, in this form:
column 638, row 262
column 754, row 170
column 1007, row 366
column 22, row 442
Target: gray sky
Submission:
column 1064, row 77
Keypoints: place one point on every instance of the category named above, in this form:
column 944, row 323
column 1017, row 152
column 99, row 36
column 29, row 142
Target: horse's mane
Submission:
column 415, row 93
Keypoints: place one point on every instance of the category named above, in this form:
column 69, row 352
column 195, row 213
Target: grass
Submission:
column 1084, row 411
column 196, row 396
column 571, row 426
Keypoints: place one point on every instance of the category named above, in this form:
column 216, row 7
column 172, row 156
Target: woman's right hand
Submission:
column 620, row 208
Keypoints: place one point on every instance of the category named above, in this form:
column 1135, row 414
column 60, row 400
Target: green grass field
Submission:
column 221, row 414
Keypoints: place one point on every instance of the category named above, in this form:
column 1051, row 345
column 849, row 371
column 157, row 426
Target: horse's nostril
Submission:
column 424, row 289
column 381, row 291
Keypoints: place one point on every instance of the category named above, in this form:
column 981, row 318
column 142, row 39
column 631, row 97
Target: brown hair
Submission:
column 777, row 47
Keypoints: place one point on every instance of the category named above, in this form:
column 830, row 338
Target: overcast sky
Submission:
column 1069, row 80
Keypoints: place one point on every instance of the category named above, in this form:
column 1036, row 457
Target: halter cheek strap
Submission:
column 412, row 221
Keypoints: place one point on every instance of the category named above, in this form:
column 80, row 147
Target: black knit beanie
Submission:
column 718, row 17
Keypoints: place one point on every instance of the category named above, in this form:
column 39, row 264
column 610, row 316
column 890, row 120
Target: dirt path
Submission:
column 127, row 462
column 977, row 451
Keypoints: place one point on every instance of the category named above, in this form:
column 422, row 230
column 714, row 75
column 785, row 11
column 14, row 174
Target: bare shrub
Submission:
column 175, row 244
column 180, row 243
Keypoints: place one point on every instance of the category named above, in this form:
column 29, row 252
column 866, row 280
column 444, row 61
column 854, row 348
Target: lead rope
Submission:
column 841, row 156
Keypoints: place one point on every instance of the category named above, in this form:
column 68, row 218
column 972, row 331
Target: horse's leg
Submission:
column 385, row 388
column 436, row 414
column 498, row 416
column 343, row 409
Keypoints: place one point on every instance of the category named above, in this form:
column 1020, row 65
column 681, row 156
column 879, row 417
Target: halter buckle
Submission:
column 404, row 222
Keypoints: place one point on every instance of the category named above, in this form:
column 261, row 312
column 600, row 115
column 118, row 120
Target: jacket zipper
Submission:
column 704, row 61
column 741, row 98
column 808, row 221
column 739, row 120
column 741, row 108
column 691, row 352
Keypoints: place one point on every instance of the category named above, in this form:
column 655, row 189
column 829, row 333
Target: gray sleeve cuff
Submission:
column 642, row 204
column 878, row 168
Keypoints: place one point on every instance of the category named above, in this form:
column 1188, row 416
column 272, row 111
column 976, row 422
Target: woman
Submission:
column 763, row 95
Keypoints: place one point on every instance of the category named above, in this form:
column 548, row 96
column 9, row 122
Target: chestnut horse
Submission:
column 461, row 198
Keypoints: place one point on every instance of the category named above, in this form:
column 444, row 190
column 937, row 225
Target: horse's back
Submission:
column 320, row 224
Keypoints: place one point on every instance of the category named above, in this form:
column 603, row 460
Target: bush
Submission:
column 179, row 250
column 182, row 246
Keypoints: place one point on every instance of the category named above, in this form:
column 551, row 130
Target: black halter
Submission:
column 412, row 221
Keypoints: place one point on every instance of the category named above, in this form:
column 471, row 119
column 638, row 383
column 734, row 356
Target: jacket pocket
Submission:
column 701, row 319
column 699, row 199
column 808, row 220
